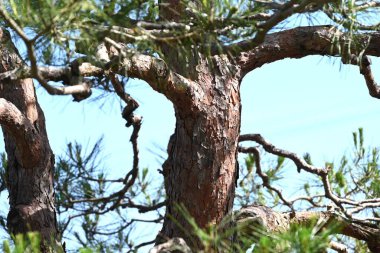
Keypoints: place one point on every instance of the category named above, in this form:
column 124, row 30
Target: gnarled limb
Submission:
column 355, row 206
column 261, row 217
column 311, row 40
column 131, row 64
column 366, row 71
column 150, row 69
column 353, row 226
column 23, row 132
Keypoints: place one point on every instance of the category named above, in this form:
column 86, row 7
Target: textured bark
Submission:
column 201, row 169
column 200, row 172
column 30, row 158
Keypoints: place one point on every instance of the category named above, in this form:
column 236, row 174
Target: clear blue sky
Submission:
column 307, row 105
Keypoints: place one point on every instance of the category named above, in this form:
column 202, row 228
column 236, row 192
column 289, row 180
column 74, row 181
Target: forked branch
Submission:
column 346, row 206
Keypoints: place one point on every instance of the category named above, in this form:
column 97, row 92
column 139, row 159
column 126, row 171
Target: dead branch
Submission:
column 347, row 206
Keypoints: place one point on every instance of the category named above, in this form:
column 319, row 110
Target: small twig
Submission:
column 255, row 151
column 132, row 104
column 142, row 208
column 132, row 120
column 300, row 163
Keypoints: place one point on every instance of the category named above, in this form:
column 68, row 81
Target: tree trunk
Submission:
column 30, row 158
column 201, row 169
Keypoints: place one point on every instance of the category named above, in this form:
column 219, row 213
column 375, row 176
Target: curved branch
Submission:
column 366, row 71
column 152, row 70
column 322, row 173
column 312, row 40
column 273, row 221
column 269, row 147
column 300, row 42
column 148, row 68
column 12, row 118
column 264, row 177
column 23, row 132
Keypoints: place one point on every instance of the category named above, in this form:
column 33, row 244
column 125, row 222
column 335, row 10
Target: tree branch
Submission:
column 155, row 72
column 12, row 118
column 255, row 151
column 23, row 132
column 312, row 40
column 300, row 163
column 366, row 71
column 300, row 42
column 341, row 202
column 150, row 69
column 271, row 221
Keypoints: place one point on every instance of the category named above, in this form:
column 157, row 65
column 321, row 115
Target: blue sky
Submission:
column 310, row 105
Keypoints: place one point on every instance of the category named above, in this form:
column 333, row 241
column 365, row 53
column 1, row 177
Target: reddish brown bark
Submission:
column 200, row 172
column 30, row 158
column 201, row 169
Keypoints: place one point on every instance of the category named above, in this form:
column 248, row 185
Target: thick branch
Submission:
column 23, row 132
column 12, row 118
column 150, row 69
column 366, row 71
column 311, row 40
column 155, row 72
column 272, row 221
column 21, row 119
column 300, row 42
